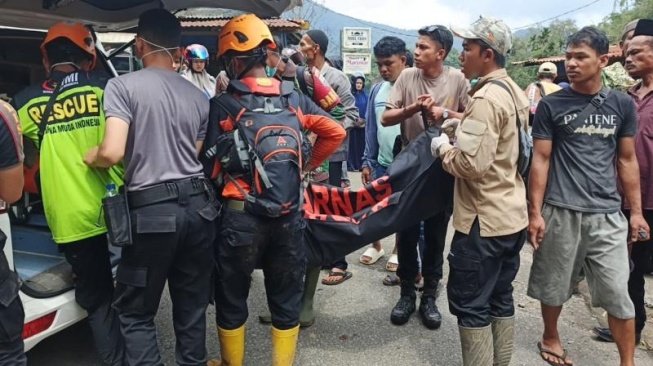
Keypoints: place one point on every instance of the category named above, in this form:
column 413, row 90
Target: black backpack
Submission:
column 267, row 149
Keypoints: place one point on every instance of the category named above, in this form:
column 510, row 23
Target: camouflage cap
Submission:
column 492, row 31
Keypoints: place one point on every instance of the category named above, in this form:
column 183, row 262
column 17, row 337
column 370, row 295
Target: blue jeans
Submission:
column 378, row 171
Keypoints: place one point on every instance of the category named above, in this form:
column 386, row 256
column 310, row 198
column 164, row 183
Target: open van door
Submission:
column 47, row 289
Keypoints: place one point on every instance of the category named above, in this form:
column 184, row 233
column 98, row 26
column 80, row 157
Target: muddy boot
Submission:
column 503, row 331
column 232, row 346
column 284, row 345
column 476, row 344
column 306, row 317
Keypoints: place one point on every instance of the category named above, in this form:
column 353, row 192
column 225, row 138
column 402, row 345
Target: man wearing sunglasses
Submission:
column 435, row 92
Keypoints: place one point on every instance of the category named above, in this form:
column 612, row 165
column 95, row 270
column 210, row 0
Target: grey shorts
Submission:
column 576, row 244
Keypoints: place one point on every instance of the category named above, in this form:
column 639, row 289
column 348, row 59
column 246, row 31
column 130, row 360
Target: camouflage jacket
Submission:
column 616, row 77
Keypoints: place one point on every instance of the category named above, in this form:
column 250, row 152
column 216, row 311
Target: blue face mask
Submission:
column 473, row 82
column 270, row 71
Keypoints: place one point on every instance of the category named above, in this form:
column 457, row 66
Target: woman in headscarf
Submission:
column 357, row 134
column 197, row 57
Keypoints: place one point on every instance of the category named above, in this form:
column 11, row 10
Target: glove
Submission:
column 222, row 82
column 449, row 127
column 436, row 143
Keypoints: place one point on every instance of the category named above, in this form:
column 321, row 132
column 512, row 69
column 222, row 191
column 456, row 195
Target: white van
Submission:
column 47, row 289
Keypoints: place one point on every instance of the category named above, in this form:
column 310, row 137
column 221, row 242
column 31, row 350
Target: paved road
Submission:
column 353, row 328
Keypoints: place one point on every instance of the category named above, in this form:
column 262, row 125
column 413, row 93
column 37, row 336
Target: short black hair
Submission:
column 389, row 46
column 499, row 59
column 160, row 27
column 409, row 59
column 546, row 75
column 591, row 36
column 63, row 50
column 439, row 34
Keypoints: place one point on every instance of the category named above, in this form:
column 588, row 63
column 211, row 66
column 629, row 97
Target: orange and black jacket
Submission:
column 329, row 133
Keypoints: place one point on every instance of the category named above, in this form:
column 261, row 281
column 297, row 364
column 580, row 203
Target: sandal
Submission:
column 373, row 256
column 563, row 356
column 391, row 280
column 393, row 263
column 344, row 276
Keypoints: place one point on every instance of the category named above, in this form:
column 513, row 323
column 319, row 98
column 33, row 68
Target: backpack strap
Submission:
column 506, row 88
column 594, row 104
column 234, row 108
column 301, row 80
column 287, row 88
column 541, row 87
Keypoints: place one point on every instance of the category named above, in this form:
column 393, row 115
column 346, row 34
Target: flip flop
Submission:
column 392, row 260
column 344, row 276
column 563, row 356
column 373, row 254
column 391, row 280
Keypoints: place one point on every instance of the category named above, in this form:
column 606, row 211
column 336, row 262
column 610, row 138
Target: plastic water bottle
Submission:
column 112, row 191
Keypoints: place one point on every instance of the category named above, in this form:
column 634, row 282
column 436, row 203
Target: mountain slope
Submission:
column 332, row 23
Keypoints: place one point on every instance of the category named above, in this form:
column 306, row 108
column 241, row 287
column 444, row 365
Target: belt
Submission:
column 236, row 205
column 167, row 192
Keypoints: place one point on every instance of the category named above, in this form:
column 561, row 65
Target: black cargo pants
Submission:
column 172, row 241
column 481, row 271
column 276, row 244
column 90, row 261
column 12, row 315
column 435, row 233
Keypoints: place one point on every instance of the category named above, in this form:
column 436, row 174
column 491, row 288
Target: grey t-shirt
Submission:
column 166, row 116
column 582, row 172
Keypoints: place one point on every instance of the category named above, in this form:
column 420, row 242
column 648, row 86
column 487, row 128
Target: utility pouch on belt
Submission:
column 118, row 220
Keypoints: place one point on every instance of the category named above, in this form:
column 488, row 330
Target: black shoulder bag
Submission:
column 594, row 104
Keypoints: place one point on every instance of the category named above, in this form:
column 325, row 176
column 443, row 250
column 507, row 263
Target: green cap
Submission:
column 492, row 31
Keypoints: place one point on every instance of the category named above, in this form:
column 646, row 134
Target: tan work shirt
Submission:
column 448, row 90
column 484, row 160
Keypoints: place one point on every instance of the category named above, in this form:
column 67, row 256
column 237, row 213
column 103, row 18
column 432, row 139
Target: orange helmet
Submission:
column 244, row 33
column 77, row 33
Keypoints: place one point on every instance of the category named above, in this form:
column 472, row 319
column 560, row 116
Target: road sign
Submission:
column 357, row 62
column 354, row 38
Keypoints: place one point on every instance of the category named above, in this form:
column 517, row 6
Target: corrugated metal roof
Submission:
column 115, row 37
column 275, row 23
column 613, row 52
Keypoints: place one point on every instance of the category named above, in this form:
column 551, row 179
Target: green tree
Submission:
column 452, row 58
column 539, row 42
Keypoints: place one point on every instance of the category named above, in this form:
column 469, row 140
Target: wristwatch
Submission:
column 445, row 114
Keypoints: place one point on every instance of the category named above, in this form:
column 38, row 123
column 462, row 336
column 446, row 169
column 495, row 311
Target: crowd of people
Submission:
column 211, row 173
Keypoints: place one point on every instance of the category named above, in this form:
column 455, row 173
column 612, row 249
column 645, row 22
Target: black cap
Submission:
column 644, row 28
column 320, row 38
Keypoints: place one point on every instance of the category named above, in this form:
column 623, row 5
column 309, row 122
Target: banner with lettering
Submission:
column 341, row 220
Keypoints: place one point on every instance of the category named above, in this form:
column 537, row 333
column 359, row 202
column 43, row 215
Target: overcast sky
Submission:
column 411, row 14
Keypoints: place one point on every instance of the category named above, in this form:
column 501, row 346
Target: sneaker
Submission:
column 605, row 335
column 428, row 311
column 403, row 310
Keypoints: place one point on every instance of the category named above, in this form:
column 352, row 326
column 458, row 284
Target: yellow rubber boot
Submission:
column 284, row 345
column 232, row 346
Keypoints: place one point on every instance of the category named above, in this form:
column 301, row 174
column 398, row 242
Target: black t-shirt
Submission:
column 582, row 174
column 11, row 148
